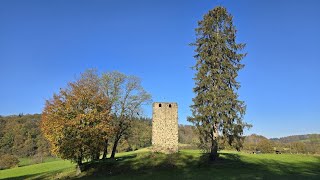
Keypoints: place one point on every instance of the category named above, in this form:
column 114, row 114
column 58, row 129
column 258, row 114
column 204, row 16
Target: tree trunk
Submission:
column 97, row 156
column 79, row 165
column 214, row 143
column 105, row 150
column 214, row 150
column 114, row 148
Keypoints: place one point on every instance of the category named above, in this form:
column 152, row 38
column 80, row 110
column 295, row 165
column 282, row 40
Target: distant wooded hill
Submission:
column 308, row 138
column 305, row 144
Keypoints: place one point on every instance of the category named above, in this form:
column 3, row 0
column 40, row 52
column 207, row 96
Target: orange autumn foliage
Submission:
column 77, row 120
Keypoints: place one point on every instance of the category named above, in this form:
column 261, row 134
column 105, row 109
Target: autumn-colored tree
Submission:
column 265, row 146
column 76, row 120
column 20, row 135
column 297, row 147
column 8, row 161
column 252, row 141
column 126, row 96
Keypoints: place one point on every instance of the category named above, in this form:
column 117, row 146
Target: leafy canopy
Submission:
column 76, row 120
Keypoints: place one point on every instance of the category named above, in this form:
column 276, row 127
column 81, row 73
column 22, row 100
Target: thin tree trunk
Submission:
column 97, row 155
column 114, row 148
column 79, row 165
column 94, row 156
column 105, row 150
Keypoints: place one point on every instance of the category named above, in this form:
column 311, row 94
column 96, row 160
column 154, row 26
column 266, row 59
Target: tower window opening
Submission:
column 159, row 105
column 169, row 105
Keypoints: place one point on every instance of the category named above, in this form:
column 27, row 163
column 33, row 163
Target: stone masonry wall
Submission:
column 165, row 127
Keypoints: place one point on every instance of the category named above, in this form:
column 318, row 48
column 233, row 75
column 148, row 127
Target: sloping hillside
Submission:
column 309, row 138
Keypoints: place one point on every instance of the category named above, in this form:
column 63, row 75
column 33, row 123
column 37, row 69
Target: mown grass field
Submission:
column 187, row 164
column 30, row 161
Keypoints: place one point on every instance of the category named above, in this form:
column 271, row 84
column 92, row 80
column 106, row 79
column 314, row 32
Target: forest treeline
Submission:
column 20, row 136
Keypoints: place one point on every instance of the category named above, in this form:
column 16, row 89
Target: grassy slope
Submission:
column 29, row 161
column 44, row 170
column 188, row 164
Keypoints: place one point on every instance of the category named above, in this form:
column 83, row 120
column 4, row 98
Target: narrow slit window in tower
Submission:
column 159, row 105
column 169, row 105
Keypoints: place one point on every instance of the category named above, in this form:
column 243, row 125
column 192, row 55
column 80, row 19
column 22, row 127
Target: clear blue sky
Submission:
column 45, row 44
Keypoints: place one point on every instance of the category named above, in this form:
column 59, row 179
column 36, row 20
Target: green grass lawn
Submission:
column 49, row 170
column 29, row 161
column 187, row 164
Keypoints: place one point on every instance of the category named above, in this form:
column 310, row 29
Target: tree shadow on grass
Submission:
column 148, row 165
column 186, row 166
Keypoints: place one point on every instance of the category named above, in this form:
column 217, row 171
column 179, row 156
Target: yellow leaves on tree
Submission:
column 76, row 121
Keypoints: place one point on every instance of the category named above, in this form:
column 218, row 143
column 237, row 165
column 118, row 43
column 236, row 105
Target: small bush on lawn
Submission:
column 8, row 161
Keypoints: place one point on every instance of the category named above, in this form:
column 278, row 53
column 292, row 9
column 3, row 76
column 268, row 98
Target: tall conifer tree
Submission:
column 216, row 111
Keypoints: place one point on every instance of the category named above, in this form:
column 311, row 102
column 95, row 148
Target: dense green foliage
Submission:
column 139, row 135
column 216, row 111
column 187, row 164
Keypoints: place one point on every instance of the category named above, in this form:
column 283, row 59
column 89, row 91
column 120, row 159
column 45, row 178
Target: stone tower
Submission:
column 165, row 127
